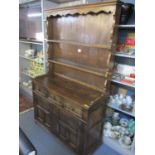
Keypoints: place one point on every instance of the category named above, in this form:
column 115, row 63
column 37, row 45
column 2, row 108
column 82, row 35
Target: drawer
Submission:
column 40, row 89
column 56, row 100
column 76, row 110
column 41, row 102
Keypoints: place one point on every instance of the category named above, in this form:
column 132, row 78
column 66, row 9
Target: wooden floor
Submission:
column 24, row 103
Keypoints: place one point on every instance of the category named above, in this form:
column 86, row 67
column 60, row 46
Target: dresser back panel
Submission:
column 96, row 59
column 92, row 28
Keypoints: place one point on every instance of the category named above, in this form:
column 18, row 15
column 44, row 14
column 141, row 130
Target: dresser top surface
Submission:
column 70, row 90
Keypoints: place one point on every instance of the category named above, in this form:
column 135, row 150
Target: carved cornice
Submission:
column 95, row 8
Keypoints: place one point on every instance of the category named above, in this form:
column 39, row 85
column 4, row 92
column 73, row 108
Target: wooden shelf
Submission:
column 80, row 82
column 125, row 84
column 124, row 55
column 115, row 107
column 114, row 144
column 126, row 26
column 78, row 43
column 80, row 68
column 26, row 41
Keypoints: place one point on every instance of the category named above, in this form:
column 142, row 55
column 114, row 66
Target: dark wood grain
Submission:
column 70, row 99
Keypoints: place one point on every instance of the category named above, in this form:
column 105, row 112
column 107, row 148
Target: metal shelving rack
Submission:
column 115, row 107
column 124, row 84
column 126, row 26
column 114, row 144
column 24, row 44
column 121, row 54
column 26, row 41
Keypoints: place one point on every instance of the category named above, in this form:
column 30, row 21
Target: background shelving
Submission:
column 122, row 54
column 30, row 41
column 116, row 146
column 125, row 84
column 126, row 26
column 116, row 107
column 30, row 38
column 123, row 58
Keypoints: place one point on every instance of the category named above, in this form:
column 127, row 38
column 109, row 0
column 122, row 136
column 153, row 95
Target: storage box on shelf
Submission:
column 124, row 74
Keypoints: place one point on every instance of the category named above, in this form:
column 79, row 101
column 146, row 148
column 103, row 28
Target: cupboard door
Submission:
column 74, row 140
column 69, row 135
column 47, row 121
column 42, row 115
column 54, row 124
column 63, row 132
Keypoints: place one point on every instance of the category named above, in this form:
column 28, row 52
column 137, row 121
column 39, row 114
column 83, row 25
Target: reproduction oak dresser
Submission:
column 70, row 99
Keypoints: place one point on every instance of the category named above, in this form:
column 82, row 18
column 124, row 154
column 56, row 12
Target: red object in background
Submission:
column 120, row 47
column 132, row 75
column 130, row 41
column 127, row 81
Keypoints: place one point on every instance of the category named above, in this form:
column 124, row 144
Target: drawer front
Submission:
column 41, row 102
column 60, row 101
column 54, row 109
column 64, row 103
column 41, row 90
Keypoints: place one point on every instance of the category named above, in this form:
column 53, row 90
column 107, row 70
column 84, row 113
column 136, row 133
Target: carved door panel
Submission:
column 69, row 135
column 54, row 124
column 42, row 115
column 74, row 140
column 63, row 131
